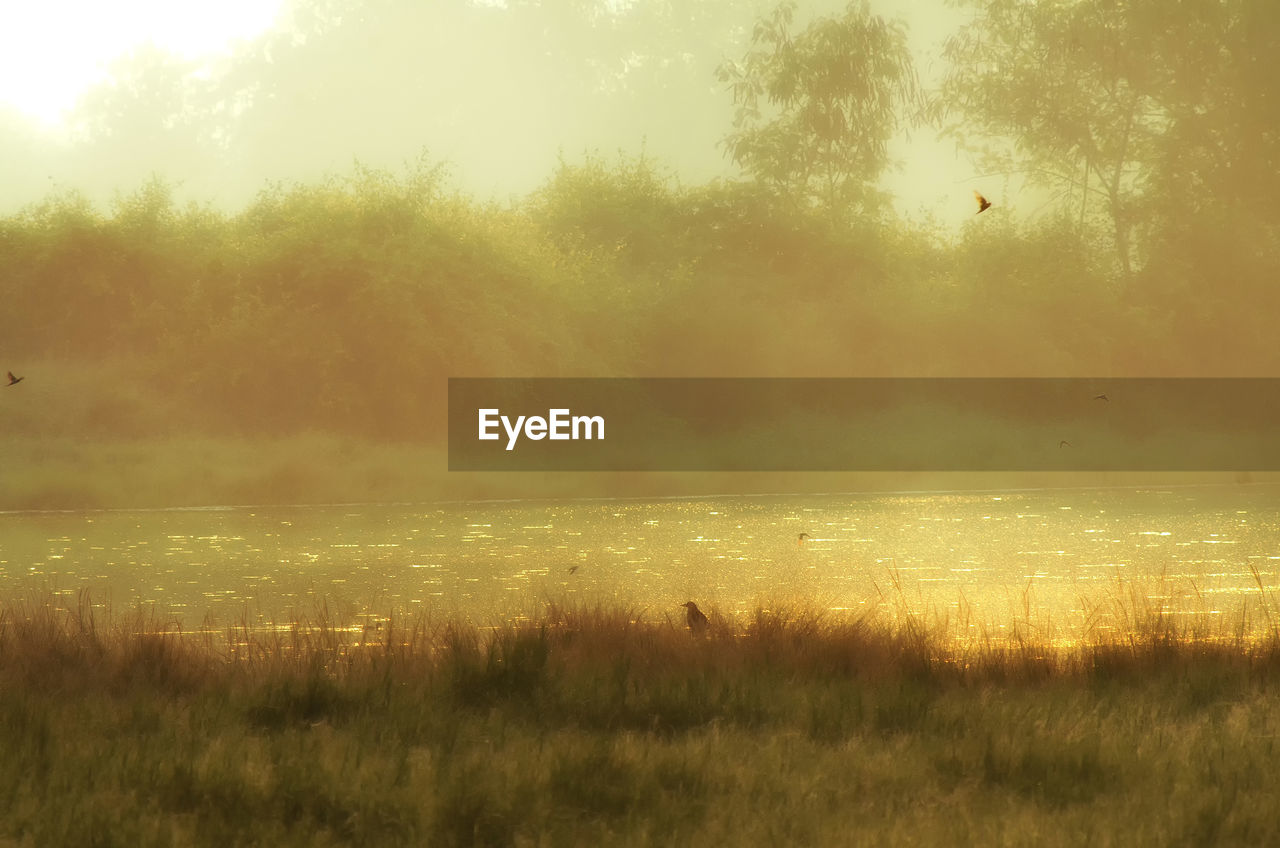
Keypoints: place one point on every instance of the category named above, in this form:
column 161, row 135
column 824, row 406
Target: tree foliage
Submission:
column 816, row 109
column 1214, row 187
column 1140, row 115
column 343, row 303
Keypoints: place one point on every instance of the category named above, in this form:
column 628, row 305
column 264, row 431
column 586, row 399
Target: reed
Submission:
column 607, row 724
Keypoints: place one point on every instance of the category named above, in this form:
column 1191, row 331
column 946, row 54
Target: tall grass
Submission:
column 43, row 634
column 585, row 724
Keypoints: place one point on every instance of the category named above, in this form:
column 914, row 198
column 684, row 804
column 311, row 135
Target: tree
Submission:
column 1068, row 84
column 815, row 110
column 154, row 115
column 1217, row 166
column 1135, row 112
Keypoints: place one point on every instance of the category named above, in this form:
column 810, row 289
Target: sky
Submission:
column 45, row 65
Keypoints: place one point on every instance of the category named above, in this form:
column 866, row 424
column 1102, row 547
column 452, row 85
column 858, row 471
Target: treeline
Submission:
column 344, row 305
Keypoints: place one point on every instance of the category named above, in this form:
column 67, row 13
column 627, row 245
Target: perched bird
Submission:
column 983, row 203
column 13, row 381
column 694, row 618
column 1064, row 444
column 1103, row 397
column 800, row 539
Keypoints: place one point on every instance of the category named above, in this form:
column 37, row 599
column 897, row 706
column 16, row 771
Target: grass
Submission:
column 593, row 725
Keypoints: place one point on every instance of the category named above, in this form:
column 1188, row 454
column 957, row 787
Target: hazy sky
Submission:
column 52, row 52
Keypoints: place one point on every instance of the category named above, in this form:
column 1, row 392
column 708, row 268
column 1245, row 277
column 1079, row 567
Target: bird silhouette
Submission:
column 573, row 569
column 1103, row 397
column 694, row 617
column 1064, row 444
column 983, row 203
column 13, row 381
column 801, row 539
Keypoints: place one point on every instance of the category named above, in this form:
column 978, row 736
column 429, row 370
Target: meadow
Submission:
column 608, row 725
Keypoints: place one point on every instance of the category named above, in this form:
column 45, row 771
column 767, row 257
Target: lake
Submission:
column 1064, row 560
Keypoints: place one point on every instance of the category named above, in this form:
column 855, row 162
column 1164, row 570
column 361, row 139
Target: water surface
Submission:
column 1062, row 558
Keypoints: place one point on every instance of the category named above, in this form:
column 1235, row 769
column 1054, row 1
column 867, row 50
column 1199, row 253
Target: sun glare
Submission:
column 50, row 53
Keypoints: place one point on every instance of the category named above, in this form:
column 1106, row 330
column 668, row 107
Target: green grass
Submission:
column 593, row 726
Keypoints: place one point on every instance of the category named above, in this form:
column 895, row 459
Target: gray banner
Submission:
column 878, row 424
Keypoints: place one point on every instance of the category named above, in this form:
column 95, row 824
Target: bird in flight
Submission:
column 573, row 569
column 801, row 538
column 983, row 203
column 13, row 381
column 1103, row 397
column 694, row 617
column 1064, row 444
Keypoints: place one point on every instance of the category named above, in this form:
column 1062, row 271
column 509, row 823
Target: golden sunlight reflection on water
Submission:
column 1066, row 562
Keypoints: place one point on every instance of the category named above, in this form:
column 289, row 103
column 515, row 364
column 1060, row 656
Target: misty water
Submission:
column 1069, row 561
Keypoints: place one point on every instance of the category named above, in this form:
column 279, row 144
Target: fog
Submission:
column 234, row 268
column 330, row 83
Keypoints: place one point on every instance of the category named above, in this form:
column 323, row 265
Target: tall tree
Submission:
column 1220, row 155
column 816, row 109
column 1069, row 85
column 1136, row 112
